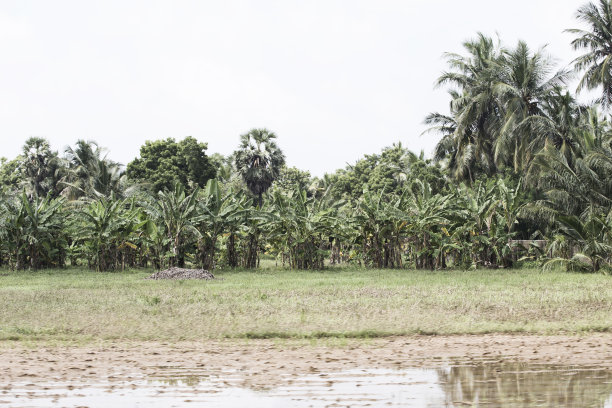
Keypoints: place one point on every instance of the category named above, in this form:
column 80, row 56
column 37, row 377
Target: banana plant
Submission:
column 33, row 233
column 105, row 229
column 299, row 227
column 176, row 213
column 373, row 223
column 219, row 212
column 427, row 227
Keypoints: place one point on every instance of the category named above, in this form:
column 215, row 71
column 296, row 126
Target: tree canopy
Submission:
column 162, row 163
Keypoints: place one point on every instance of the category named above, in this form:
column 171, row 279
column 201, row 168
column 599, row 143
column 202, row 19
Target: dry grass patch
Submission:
column 76, row 305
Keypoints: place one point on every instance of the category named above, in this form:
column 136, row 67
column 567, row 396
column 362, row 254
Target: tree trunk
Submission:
column 207, row 253
column 232, row 256
column 252, row 252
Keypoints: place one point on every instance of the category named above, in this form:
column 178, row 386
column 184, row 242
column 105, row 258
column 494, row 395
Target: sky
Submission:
column 334, row 79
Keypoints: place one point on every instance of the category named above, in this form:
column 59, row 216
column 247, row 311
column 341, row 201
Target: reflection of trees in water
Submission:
column 525, row 385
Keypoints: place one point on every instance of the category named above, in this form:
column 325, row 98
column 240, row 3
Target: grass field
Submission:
column 82, row 306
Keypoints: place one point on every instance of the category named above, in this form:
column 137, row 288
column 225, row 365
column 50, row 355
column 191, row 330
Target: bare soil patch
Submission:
column 181, row 273
column 266, row 363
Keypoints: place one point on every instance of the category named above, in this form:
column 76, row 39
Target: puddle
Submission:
column 486, row 384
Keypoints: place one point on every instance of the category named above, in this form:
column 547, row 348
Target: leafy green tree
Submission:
column 259, row 161
column 391, row 170
column 482, row 219
column 377, row 238
column 427, row 220
column 292, row 178
column 238, row 226
column 475, row 109
column 9, row 174
column 592, row 234
column 224, row 166
column 163, row 163
column 499, row 106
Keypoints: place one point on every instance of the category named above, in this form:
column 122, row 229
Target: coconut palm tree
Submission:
column 468, row 134
column 259, row 161
column 525, row 81
column 596, row 62
column 498, row 108
column 90, row 173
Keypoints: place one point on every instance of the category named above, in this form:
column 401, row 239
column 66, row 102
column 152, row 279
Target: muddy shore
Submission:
column 264, row 363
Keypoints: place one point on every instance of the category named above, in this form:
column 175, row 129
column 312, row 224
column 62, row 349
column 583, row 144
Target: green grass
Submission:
column 83, row 306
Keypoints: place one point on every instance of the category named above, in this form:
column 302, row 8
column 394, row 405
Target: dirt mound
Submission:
column 180, row 273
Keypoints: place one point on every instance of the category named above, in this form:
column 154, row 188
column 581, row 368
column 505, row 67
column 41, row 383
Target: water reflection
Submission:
column 515, row 384
column 458, row 384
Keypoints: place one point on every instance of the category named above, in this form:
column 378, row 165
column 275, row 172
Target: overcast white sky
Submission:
column 334, row 79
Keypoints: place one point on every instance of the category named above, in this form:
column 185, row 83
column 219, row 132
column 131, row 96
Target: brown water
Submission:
column 457, row 384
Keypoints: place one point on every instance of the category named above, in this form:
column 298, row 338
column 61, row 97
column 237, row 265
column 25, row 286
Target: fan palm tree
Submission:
column 597, row 41
column 41, row 168
column 258, row 160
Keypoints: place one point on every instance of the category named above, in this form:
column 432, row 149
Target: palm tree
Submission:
column 592, row 234
column 524, row 83
column 497, row 108
column 41, row 168
column 559, row 124
column 475, row 111
column 90, row 173
column 597, row 40
column 258, row 160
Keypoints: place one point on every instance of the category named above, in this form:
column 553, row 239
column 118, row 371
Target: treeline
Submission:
column 409, row 225
column 519, row 158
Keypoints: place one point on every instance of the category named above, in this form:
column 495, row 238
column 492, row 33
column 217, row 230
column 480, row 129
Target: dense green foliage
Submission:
column 519, row 159
column 165, row 162
column 409, row 225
